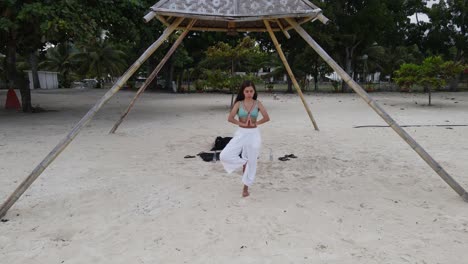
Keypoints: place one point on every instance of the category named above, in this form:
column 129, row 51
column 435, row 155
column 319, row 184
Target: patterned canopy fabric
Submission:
column 238, row 15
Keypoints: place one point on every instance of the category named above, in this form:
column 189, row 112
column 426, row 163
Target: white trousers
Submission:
column 247, row 141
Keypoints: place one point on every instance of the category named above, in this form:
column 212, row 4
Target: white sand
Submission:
column 353, row 195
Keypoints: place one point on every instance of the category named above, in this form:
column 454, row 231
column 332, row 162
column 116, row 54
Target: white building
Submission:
column 48, row 80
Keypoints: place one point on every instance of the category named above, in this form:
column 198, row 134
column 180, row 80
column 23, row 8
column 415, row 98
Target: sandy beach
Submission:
column 353, row 195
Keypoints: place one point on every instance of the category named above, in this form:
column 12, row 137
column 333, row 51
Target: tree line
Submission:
column 98, row 39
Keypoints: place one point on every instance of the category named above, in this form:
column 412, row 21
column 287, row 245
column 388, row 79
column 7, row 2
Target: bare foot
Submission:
column 245, row 192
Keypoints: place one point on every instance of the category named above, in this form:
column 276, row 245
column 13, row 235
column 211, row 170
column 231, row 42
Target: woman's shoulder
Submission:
column 259, row 104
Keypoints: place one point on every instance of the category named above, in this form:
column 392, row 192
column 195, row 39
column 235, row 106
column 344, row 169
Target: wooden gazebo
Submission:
column 231, row 16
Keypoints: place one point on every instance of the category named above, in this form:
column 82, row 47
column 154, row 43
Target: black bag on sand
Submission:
column 208, row 156
column 220, row 143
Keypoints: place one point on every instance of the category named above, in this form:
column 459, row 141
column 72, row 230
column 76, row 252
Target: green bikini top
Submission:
column 243, row 113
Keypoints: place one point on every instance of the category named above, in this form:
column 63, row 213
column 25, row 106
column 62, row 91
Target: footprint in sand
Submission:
column 321, row 247
column 273, row 229
column 63, row 238
column 283, row 189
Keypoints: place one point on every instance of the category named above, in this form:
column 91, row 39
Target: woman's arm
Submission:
column 232, row 115
column 265, row 116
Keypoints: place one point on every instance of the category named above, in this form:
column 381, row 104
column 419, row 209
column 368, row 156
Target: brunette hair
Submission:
column 245, row 84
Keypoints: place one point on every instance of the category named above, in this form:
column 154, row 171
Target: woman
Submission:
column 247, row 138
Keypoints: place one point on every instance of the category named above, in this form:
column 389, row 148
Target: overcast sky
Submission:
column 423, row 17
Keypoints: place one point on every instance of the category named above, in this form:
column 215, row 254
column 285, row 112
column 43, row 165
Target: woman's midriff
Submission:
column 253, row 122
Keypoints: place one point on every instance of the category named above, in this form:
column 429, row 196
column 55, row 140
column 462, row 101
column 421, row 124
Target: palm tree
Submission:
column 100, row 59
column 61, row 59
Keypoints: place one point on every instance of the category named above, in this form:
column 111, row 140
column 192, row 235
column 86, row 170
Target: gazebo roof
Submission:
column 235, row 15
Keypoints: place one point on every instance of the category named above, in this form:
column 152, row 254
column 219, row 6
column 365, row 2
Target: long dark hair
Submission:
column 245, row 84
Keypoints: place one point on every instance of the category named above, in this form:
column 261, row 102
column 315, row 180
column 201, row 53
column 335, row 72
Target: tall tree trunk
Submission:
column 171, row 76
column 232, row 90
column 348, row 67
column 315, row 73
column 180, row 80
column 25, row 91
column 34, row 69
column 453, row 86
column 349, row 64
column 15, row 79
column 289, row 85
column 232, row 100
column 430, row 95
column 66, row 82
column 99, row 77
column 306, row 83
column 10, row 62
column 167, row 74
column 188, row 80
column 152, row 63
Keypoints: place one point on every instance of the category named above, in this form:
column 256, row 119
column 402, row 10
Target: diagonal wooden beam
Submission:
column 291, row 74
column 285, row 32
column 77, row 128
column 153, row 75
column 379, row 110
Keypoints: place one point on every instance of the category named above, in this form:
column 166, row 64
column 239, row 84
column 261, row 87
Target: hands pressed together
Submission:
column 248, row 124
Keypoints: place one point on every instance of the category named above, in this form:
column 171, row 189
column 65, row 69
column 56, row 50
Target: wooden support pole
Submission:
column 77, row 128
column 323, row 19
column 149, row 16
column 291, row 74
column 153, row 75
column 163, row 20
column 379, row 110
column 286, row 33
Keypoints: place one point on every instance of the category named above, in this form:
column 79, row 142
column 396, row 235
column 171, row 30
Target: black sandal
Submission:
column 291, row 156
column 283, row 158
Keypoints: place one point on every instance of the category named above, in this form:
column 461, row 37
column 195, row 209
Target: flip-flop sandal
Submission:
column 291, row 156
column 283, row 158
column 189, row 157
